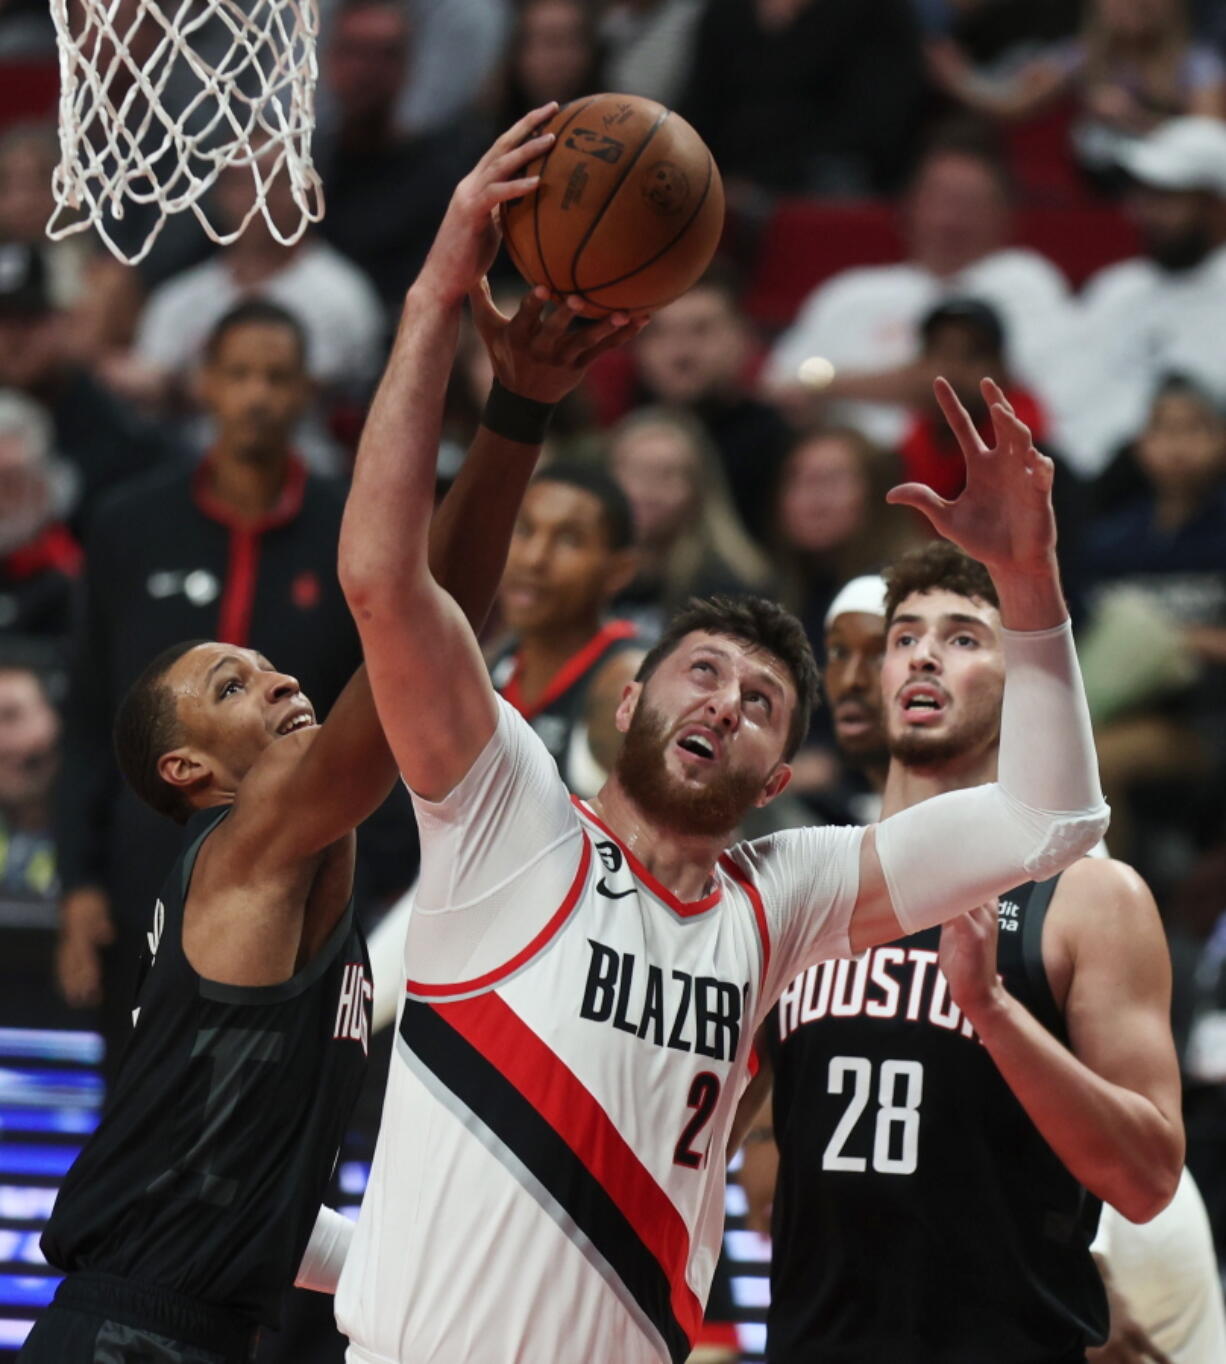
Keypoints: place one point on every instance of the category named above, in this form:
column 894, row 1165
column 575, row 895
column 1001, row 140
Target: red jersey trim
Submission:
column 570, row 671
column 491, row 1026
column 686, row 908
column 451, row 989
column 741, row 877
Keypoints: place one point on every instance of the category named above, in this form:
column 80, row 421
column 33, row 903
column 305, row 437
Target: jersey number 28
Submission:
column 896, row 1130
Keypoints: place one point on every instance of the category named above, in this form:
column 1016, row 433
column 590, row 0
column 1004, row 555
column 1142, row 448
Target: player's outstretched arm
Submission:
column 429, row 680
column 1108, row 1104
column 946, row 855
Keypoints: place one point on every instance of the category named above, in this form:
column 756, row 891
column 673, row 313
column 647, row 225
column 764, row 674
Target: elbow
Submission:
column 1066, row 838
column 1145, row 1192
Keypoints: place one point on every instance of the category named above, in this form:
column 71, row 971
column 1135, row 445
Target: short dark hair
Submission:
column 255, row 312
column 974, row 315
column 936, row 567
column 146, row 727
column 760, row 623
column 591, row 478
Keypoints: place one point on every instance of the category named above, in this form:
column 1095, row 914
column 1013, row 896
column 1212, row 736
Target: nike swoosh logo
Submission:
column 602, row 889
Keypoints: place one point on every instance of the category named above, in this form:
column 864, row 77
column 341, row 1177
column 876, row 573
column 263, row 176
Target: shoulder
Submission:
column 813, row 850
column 870, row 282
column 323, row 266
column 1100, row 901
column 1018, row 266
column 184, row 289
column 151, row 493
column 1123, row 279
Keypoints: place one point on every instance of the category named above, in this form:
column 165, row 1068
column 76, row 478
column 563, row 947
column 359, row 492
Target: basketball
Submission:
column 629, row 209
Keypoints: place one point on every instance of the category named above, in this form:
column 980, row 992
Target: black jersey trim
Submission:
column 541, row 1151
column 1038, row 900
column 216, row 815
column 310, row 974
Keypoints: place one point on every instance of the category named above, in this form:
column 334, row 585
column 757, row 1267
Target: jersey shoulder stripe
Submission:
column 738, row 873
column 685, row 909
column 459, row 989
column 552, row 1135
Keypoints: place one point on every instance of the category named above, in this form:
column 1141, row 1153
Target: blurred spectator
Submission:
column 39, row 558
column 554, row 53
column 94, row 431
column 1160, row 614
column 1134, row 65
column 26, row 30
column 386, row 189
column 456, row 48
column 865, row 321
column 100, row 296
column 29, row 756
column 806, row 96
column 332, row 298
column 695, row 355
column 1156, row 314
column 832, row 522
column 648, row 45
column 691, row 540
column 963, row 341
column 241, row 549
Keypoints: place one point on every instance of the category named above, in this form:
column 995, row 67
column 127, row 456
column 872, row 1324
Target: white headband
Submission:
column 865, row 594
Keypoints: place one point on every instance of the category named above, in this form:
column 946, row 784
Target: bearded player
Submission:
column 586, row 979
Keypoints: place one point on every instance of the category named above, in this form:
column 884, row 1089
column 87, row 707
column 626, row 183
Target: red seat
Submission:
column 1079, row 240
column 31, row 90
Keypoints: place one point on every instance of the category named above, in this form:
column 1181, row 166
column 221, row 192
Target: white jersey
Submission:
column 549, row 1178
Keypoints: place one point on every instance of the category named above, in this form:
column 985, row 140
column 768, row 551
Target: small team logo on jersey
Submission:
column 353, row 1007
column 611, row 857
column 154, row 938
column 1008, row 916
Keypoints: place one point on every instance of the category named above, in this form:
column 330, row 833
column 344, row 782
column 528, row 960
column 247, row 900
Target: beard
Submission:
column 917, row 748
column 709, row 812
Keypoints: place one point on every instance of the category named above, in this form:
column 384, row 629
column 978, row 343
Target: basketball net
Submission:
column 156, row 100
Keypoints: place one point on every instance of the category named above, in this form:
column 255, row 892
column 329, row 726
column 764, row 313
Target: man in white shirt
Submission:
column 1156, row 314
column 865, row 321
column 587, row 978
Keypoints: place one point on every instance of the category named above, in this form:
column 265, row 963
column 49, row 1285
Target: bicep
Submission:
column 873, row 919
column 1119, row 999
column 431, row 688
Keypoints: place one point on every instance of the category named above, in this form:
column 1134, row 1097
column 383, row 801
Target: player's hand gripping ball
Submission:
column 629, row 209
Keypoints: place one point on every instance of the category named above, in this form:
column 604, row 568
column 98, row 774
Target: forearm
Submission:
column 384, row 534
column 472, row 528
column 1111, row 1139
column 324, row 1257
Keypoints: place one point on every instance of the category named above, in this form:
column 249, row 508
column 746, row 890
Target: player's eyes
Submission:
column 229, row 688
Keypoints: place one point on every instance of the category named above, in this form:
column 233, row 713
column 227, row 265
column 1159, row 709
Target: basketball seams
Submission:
column 536, row 198
column 614, row 189
column 659, row 255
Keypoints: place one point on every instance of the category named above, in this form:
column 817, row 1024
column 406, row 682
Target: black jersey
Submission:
column 920, row 1217
column 557, row 715
column 214, row 1151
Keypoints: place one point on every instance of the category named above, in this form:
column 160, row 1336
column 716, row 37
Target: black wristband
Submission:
column 514, row 418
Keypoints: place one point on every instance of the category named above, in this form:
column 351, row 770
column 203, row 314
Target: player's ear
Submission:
column 182, row 768
column 775, row 785
column 628, row 705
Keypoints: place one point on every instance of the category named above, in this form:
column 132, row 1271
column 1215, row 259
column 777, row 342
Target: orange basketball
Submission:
column 629, row 209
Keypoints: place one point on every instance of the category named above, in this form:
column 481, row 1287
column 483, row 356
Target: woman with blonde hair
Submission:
column 691, row 539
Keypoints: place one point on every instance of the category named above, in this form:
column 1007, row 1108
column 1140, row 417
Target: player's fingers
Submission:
column 499, row 193
column 582, row 338
column 958, row 419
column 512, row 163
column 556, row 322
column 993, row 393
column 1011, row 432
column 624, row 333
column 520, row 130
column 527, row 317
column 923, row 499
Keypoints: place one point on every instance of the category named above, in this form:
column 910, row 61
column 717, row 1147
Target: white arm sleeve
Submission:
column 946, row 855
column 324, row 1257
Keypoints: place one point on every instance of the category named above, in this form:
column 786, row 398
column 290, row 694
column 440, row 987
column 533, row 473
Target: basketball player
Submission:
column 586, row 979
column 190, row 1209
column 946, row 1132
column 571, row 553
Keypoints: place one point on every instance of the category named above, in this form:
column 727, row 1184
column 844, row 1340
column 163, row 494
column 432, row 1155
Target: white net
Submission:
column 157, row 100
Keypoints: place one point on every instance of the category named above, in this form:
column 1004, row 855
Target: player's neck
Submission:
column 906, row 786
column 683, row 864
column 249, row 488
column 540, row 655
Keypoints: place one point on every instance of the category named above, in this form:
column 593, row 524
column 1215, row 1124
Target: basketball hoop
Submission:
column 156, row 100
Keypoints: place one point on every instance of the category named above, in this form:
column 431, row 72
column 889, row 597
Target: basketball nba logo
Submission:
column 353, row 1007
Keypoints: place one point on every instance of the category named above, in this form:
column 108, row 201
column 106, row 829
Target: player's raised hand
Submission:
column 467, row 240
column 1003, row 517
column 967, row 958
column 544, row 350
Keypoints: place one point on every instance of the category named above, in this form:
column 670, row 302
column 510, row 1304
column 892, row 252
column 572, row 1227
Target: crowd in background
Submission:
column 1031, row 189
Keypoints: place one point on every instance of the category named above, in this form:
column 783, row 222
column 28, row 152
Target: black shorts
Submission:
column 100, row 1319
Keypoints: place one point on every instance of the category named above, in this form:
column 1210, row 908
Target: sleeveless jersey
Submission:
column 549, row 1178
column 558, row 714
column 214, row 1152
column 919, row 1216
